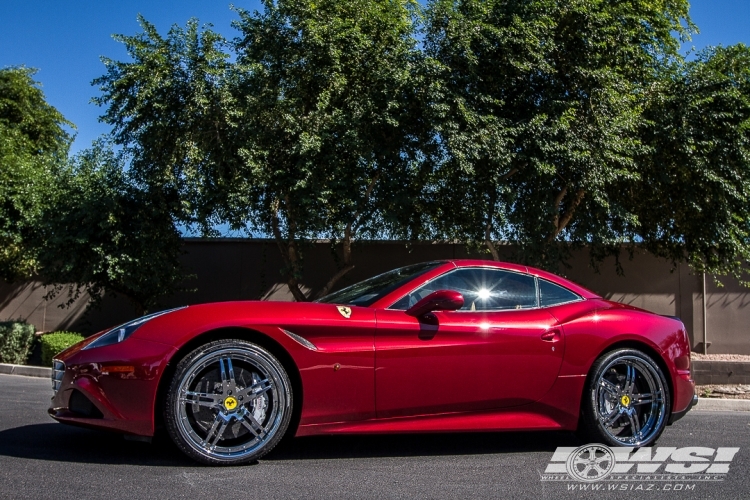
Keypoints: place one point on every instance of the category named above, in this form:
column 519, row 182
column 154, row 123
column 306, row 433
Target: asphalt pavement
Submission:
column 40, row 458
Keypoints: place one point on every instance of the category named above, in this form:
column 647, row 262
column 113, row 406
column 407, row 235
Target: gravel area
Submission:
column 719, row 357
column 723, row 391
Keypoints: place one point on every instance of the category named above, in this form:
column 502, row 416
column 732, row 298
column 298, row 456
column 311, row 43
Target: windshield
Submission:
column 367, row 292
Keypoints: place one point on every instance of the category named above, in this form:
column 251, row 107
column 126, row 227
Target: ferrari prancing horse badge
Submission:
column 345, row 311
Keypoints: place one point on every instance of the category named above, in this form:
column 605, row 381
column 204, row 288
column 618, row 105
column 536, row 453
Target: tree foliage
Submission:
column 332, row 108
column 547, row 123
column 314, row 131
column 541, row 114
column 82, row 223
column 692, row 198
column 34, row 143
column 102, row 233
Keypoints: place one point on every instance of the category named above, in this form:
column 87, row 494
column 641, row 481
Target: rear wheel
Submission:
column 627, row 400
column 229, row 403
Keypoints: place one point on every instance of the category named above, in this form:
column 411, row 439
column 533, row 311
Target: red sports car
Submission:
column 462, row 345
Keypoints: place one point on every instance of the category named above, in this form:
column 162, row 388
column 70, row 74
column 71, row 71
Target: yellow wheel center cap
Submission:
column 625, row 400
column 230, row 403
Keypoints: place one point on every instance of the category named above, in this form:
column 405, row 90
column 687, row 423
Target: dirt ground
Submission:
column 723, row 391
column 719, row 357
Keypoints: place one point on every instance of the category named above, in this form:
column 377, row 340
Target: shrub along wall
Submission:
column 55, row 343
column 16, row 341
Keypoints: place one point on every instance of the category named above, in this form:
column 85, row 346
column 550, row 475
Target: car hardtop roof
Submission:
column 540, row 273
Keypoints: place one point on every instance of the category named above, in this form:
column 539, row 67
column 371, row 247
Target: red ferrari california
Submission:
column 445, row 346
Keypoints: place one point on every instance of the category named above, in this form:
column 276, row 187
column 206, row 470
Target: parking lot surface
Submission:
column 40, row 458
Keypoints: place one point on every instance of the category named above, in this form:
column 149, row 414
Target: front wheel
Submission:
column 627, row 400
column 229, row 403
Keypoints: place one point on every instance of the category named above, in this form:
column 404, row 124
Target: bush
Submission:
column 16, row 339
column 55, row 343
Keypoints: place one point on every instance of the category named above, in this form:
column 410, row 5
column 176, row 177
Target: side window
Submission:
column 551, row 294
column 483, row 290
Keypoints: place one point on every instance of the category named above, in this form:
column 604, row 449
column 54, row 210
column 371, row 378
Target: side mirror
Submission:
column 441, row 300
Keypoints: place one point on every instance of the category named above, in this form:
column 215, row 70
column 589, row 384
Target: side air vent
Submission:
column 301, row 341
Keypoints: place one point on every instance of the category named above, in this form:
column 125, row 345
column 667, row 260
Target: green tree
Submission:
column 548, row 123
column 332, row 108
column 692, row 199
column 171, row 109
column 103, row 233
column 541, row 116
column 314, row 131
column 34, row 144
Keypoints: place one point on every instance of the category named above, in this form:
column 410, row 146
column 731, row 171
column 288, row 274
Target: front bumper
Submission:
column 112, row 387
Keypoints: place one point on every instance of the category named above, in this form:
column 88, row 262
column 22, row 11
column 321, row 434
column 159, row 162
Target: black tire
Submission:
column 229, row 403
column 626, row 401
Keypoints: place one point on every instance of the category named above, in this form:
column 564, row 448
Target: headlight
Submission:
column 120, row 333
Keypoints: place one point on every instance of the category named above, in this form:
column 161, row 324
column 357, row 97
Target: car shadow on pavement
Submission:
column 414, row 445
column 62, row 443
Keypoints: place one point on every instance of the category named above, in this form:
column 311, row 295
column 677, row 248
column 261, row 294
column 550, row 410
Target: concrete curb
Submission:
column 26, row 371
column 716, row 404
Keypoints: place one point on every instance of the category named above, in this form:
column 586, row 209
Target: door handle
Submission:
column 551, row 336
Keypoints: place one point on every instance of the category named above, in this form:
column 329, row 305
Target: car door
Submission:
column 499, row 350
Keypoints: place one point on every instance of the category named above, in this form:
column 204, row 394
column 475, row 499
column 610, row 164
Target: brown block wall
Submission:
column 248, row 269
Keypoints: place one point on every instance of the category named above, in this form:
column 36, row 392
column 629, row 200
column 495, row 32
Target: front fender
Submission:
column 333, row 353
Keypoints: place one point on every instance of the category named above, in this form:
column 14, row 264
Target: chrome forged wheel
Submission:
column 229, row 403
column 628, row 400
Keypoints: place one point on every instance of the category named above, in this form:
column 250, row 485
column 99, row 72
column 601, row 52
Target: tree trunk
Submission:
column 348, row 266
column 289, row 252
column 489, row 243
column 563, row 217
column 347, row 242
column 488, row 229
